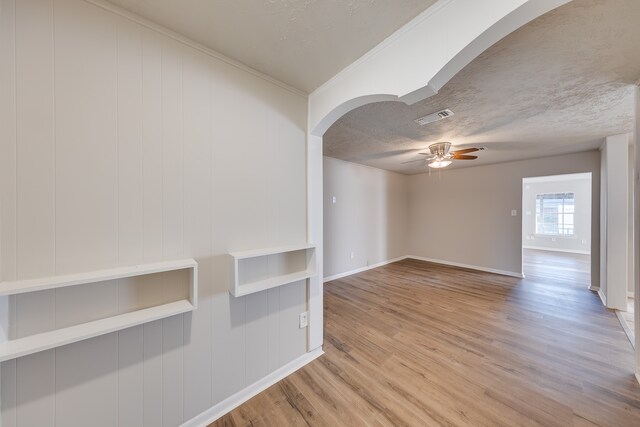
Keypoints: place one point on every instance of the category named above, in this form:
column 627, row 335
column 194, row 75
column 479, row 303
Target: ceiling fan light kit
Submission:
column 439, row 156
column 438, row 164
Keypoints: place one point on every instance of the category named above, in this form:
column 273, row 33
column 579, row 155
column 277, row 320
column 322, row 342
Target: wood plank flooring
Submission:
column 420, row 344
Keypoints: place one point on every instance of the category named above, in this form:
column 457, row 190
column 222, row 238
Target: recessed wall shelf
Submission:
column 260, row 269
column 58, row 337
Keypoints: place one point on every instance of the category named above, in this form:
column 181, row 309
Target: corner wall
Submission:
column 369, row 217
column 464, row 215
column 122, row 145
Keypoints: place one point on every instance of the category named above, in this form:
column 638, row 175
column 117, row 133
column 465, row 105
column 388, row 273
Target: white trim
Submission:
column 470, row 267
column 630, row 294
column 602, row 296
column 637, row 375
column 227, row 405
column 109, row 7
column 569, row 251
column 361, row 269
column 594, row 288
column 554, row 178
column 625, row 328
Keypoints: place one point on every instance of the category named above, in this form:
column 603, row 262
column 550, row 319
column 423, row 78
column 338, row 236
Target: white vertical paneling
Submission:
column 7, row 200
column 292, row 338
column 35, row 389
column 35, row 165
column 152, row 146
column 35, row 226
column 257, row 336
column 86, row 206
column 228, row 343
column 86, row 384
column 273, row 326
column 8, row 147
column 130, row 377
column 152, row 378
column 129, row 120
column 152, row 218
column 197, row 233
column 8, row 394
column 86, row 138
column 130, row 218
column 132, row 148
column 172, row 151
column 172, row 378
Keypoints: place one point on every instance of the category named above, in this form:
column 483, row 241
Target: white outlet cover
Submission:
column 334, row 199
column 514, row 212
column 304, row 320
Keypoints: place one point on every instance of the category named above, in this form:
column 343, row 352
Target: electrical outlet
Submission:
column 514, row 212
column 304, row 321
column 334, row 199
column 352, row 255
column 584, row 241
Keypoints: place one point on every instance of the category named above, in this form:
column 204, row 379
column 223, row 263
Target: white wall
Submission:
column 615, row 221
column 580, row 186
column 119, row 146
column 368, row 219
column 464, row 215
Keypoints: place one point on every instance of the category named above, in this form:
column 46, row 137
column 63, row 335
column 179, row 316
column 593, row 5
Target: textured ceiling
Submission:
column 560, row 84
column 300, row 42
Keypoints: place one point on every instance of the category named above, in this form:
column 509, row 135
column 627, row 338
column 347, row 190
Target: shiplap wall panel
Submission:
column 86, row 138
column 36, row 406
column 8, row 381
column 257, row 338
column 8, row 163
column 273, row 329
column 150, row 157
column 198, row 232
column 292, row 303
column 35, row 226
column 130, row 377
column 152, row 374
column 152, row 146
column 35, row 130
column 86, row 383
column 129, row 144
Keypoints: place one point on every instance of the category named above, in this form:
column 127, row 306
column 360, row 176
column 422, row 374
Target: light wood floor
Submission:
column 414, row 343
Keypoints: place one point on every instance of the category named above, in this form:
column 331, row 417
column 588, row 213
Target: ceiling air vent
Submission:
column 434, row 117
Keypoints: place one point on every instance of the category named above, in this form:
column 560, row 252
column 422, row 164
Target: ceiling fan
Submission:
column 439, row 155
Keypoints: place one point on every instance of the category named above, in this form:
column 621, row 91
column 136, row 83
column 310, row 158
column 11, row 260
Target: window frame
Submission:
column 561, row 225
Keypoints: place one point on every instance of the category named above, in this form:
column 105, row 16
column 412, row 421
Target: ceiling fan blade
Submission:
column 413, row 161
column 464, row 157
column 466, row 150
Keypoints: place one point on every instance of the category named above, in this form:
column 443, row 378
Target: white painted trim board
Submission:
column 361, row 269
column 570, row 251
column 469, row 266
column 227, row 405
column 435, row 261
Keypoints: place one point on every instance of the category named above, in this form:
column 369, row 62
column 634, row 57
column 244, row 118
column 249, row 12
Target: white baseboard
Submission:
column 232, row 402
column 630, row 294
column 361, row 269
column 570, row 251
column 637, row 377
column 602, row 296
column 470, row 267
column 594, row 288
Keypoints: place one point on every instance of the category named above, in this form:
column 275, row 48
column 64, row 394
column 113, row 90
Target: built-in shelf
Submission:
column 14, row 348
column 260, row 269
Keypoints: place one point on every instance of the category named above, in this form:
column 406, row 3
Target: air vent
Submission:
column 434, row 117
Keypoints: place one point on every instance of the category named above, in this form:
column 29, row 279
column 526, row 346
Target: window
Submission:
column 554, row 214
